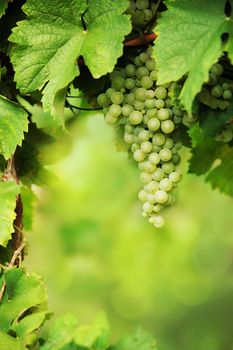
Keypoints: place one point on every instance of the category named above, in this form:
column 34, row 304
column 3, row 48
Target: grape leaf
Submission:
column 214, row 121
column 52, row 38
column 13, row 124
column 8, row 192
column 23, row 291
column 206, row 98
column 221, row 176
column 61, row 332
column 3, row 6
column 94, row 336
column 190, row 42
column 9, row 343
column 213, row 158
column 140, row 339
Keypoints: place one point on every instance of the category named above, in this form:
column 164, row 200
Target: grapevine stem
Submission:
column 83, row 108
column 16, row 255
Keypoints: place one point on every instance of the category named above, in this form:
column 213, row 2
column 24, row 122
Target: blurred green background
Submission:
column 95, row 251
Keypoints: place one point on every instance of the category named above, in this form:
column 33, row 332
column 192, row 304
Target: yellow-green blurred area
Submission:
column 96, row 252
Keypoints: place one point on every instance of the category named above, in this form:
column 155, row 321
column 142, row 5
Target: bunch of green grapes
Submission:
column 142, row 12
column 148, row 118
column 219, row 88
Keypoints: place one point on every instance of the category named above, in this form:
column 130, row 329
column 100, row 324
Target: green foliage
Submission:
column 8, row 192
column 3, row 6
column 190, row 41
column 13, row 124
column 138, row 340
column 214, row 158
column 53, row 35
column 22, row 310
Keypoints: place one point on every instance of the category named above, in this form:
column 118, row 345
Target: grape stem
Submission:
column 82, row 108
column 141, row 40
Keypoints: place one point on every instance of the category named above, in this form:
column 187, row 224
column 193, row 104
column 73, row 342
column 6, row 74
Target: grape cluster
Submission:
column 218, row 89
column 145, row 112
column 141, row 11
column 221, row 90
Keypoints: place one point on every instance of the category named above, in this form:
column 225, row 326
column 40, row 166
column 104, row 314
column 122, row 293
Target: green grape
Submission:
column 167, row 126
column 142, row 195
column 154, row 158
column 145, row 177
column 160, row 92
column 142, row 4
column 143, row 57
column 158, row 174
column 103, row 100
column 110, row 119
column 142, row 72
column 126, row 110
column 146, row 82
column 130, row 98
column 153, row 124
column 129, row 128
column 152, row 187
column 150, row 103
column 115, row 110
column 117, row 97
column 154, row 75
column 174, row 176
column 217, row 91
column 168, row 167
column 118, row 82
column 161, row 196
column 159, row 103
column 217, row 69
column 150, row 65
column 159, row 139
column 225, row 86
column 134, row 147
column 150, row 94
column 139, row 155
column 165, row 154
column 138, row 105
column 164, row 114
column 149, row 167
column 227, row 94
column 147, row 207
column 165, row 185
column 128, row 138
column 143, row 135
column 137, row 61
column 140, row 94
column 130, row 83
column 146, row 147
column 130, row 70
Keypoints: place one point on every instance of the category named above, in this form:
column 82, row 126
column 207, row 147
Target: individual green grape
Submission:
column 217, row 69
column 158, row 174
column 103, row 100
column 165, row 185
column 138, row 105
column 142, row 195
column 161, row 196
column 139, row 155
column 126, row 110
column 130, row 83
column 110, row 119
column 160, row 92
column 145, row 177
column 146, row 82
column 227, row 94
column 117, row 97
column 153, row 124
column 150, row 65
column 115, row 110
column 167, row 126
column 150, row 103
column 135, row 117
column 217, row 91
column 174, row 176
column 159, row 103
column 140, row 94
column 159, row 139
column 143, row 57
column 143, row 135
column 142, row 4
column 168, row 167
column 146, row 147
column 118, row 82
column 154, row 158
column 130, row 70
column 165, row 154
column 142, row 72
column 164, row 114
